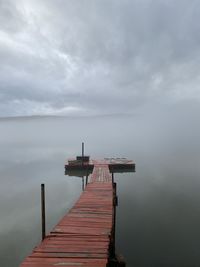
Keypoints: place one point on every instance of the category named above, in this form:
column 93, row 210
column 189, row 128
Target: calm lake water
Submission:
column 158, row 217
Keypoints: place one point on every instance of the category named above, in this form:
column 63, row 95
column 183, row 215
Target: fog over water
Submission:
column 158, row 216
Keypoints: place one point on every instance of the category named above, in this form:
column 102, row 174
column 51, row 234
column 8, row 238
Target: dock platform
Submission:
column 86, row 235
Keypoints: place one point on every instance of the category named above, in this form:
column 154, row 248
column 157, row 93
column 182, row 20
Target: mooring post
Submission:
column 43, row 211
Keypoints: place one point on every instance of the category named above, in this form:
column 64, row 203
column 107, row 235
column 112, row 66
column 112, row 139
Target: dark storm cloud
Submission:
column 97, row 56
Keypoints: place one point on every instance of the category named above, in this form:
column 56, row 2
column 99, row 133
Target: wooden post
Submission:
column 43, row 215
column 114, row 223
column 86, row 182
column 83, row 183
column 112, row 244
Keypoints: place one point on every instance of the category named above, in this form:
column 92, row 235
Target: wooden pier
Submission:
column 86, row 235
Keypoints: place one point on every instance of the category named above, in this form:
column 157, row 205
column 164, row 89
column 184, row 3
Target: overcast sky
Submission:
column 98, row 56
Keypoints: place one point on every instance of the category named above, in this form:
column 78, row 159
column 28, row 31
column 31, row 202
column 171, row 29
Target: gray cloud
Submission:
column 11, row 19
column 97, row 57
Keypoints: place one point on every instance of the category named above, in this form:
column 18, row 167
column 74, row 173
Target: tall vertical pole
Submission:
column 82, row 152
column 43, row 211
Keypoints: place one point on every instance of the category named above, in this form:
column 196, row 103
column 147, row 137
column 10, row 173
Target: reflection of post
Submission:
column 43, row 211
